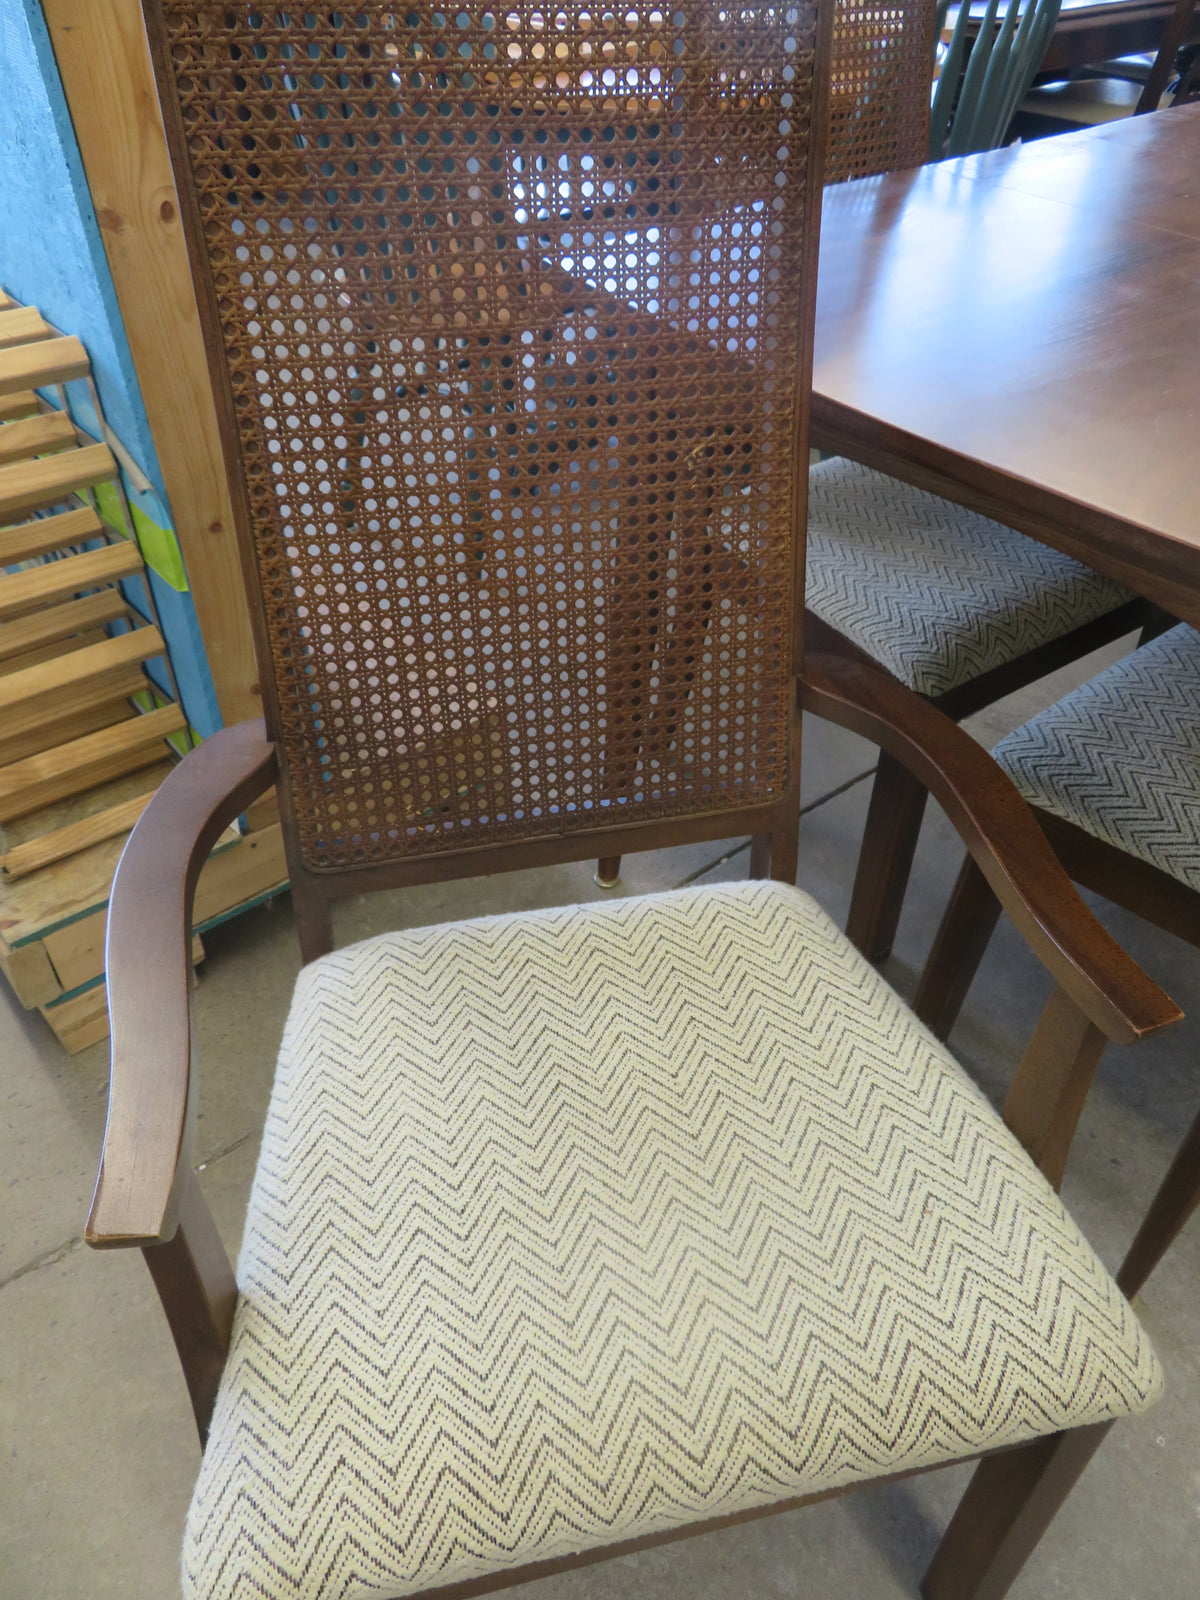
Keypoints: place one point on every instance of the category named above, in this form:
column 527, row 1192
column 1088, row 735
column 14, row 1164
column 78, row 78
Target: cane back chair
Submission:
column 572, row 1231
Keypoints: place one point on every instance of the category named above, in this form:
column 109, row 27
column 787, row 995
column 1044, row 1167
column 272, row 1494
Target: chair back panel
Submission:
column 511, row 310
column 881, row 86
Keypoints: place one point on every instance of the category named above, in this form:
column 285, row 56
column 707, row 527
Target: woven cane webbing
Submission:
column 511, row 303
column 881, row 87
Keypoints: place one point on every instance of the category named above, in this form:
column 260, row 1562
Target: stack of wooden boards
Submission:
column 86, row 734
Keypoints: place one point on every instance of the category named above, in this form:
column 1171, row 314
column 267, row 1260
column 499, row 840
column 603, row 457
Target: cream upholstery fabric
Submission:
column 1120, row 755
column 936, row 594
column 573, row 1225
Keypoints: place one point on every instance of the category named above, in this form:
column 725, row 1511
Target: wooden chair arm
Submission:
column 1001, row 834
column 147, row 1138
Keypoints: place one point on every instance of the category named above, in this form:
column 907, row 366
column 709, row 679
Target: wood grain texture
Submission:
column 1015, row 331
column 69, row 769
column 23, row 859
column 39, row 537
column 20, row 324
column 62, row 675
column 21, row 590
column 22, row 404
column 105, row 66
column 59, row 622
column 35, row 436
column 32, row 485
column 41, row 365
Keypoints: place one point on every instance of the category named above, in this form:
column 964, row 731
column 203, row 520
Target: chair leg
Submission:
column 885, row 860
column 1009, row 1504
column 1178, row 1196
column 958, row 947
column 608, row 871
column 760, row 855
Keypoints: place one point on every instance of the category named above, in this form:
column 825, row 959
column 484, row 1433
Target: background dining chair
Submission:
column 972, row 109
column 576, row 1230
column 1112, row 772
column 1106, row 91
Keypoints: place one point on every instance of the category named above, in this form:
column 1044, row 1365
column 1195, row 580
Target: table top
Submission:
column 1021, row 331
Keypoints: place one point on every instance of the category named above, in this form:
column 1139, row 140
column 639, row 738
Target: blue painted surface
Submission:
column 52, row 256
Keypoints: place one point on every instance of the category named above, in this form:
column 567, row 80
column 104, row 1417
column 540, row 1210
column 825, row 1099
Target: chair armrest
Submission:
column 147, row 1137
column 1002, row 835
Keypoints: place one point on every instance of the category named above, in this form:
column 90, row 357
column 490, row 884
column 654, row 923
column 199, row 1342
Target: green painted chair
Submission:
column 972, row 109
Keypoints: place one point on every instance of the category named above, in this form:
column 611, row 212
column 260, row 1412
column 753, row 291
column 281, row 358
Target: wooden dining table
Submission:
column 1020, row 332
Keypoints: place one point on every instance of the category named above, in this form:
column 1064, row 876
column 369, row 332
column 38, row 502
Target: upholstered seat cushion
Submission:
column 574, row 1225
column 935, row 593
column 1120, row 756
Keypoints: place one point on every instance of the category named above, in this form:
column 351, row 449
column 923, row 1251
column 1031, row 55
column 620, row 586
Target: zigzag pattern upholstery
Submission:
column 574, row 1225
column 1120, row 755
column 935, row 593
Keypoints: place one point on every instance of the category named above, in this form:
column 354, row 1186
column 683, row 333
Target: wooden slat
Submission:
column 68, row 841
column 30, row 973
column 39, row 726
column 22, row 404
column 60, row 622
column 35, row 436
column 60, row 677
column 32, row 485
column 50, row 652
column 19, row 591
column 71, row 768
column 80, row 720
column 43, row 534
column 42, row 364
column 20, row 324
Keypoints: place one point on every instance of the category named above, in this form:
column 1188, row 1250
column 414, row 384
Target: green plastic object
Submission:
column 159, row 546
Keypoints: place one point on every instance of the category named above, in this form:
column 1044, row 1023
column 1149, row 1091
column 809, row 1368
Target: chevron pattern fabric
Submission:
column 1120, row 755
column 574, row 1225
column 935, row 593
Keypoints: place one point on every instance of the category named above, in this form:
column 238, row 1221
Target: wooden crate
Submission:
column 86, row 735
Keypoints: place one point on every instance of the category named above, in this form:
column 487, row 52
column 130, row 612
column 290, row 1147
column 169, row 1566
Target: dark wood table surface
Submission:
column 1020, row 331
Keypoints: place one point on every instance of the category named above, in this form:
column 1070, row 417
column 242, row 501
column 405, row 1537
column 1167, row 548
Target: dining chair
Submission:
column 572, row 1231
column 1107, row 91
column 1112, row 773
column 972, row 109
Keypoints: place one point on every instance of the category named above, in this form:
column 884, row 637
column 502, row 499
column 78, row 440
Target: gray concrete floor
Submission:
column 96, row 1439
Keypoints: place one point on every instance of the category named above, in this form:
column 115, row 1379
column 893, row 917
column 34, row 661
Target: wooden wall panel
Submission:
column 105, row 65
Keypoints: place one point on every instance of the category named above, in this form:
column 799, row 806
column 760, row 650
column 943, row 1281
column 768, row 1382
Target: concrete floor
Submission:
column 95, row 1432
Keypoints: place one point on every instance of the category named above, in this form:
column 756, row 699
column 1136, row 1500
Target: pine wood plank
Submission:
column 78, row 807
column 59, row 622
column 43, row 364
column 22, row 404
column 78, row 722
column 68, row 769
column 81, row 1021
column 20, row 324
column 38, row 721
column 62, row 675
column 43, row 534
column 104, row 62
column 31, row 974
column 50, row 652
column 35, row 436
column 21, row 590
column 32, row 485
column 63, row 842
